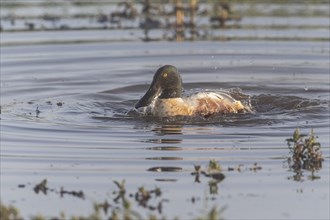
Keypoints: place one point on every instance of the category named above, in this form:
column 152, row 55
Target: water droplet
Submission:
column 215, row 67
column 306, row 88
column 212, row 57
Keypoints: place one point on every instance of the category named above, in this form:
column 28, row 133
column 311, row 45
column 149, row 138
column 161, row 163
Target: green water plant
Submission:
column 305, row 154
column 9, row 212
column 214, row 213
column 213, row 172
column 213, row 166
column 305, row 151
column 143, row 204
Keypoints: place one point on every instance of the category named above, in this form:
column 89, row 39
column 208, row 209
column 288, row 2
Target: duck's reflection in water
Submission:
column 168, row 129
column 165, row 148
column 165, row 133
column 164, row 141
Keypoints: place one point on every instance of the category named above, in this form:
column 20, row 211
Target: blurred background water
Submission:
column 71, row 70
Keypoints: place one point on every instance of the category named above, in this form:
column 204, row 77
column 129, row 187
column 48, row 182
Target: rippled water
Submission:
column 64, row 117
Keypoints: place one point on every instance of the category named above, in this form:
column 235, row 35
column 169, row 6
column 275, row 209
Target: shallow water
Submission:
column 64, row 118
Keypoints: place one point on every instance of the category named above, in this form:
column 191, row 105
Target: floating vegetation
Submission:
column 255, row 167
column 42, row 187
column 9, row 212
column 213, row 172
column 79, row 194
column 147, row 199
column 241, row 168
column 121, row 206
column 213, row 166
column 305, row 151
column 213, row 214
column 12, row 213
column 37, row 111
column 306, row 154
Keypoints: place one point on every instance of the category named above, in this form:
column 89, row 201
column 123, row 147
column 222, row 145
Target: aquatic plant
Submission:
column 213, row 166
column 213, row 172
column 306, row 154
column 305, row 151
column 213, row 214
column 9, row 212
column 121, row 208
column 41, row 187
column 12, row 213
column 124, row 204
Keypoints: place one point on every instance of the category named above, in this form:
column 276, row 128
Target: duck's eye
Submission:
column 165, row 75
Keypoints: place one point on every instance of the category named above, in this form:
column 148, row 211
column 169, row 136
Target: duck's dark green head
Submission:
column 166, row 84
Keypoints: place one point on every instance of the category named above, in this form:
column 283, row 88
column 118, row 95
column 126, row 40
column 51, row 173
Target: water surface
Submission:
column 64, row 118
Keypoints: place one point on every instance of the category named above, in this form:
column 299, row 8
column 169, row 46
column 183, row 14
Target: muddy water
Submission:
column 64, row 118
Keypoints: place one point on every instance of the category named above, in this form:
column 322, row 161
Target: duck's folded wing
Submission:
column 208, row 103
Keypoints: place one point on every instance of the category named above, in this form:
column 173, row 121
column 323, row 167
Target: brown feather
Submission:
column 205, row 104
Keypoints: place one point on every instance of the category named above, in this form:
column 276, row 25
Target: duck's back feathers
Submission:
column 209, row 103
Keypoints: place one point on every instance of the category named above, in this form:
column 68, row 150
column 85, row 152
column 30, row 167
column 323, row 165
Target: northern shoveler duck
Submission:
column 164, row 98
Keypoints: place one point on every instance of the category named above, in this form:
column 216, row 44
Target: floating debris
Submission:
column 105, row 206
column 143, row 196
column 240, row 168
column 255, row 167
column 37, row 111
column 197, row 173
column 216, row 176
column 213, row 172
column 79, row 194
column 121, row 193
column 165, row 169
column 41, row 187
column 149, row 199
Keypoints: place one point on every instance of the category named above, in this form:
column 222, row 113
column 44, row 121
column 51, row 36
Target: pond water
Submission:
column 64, row 118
